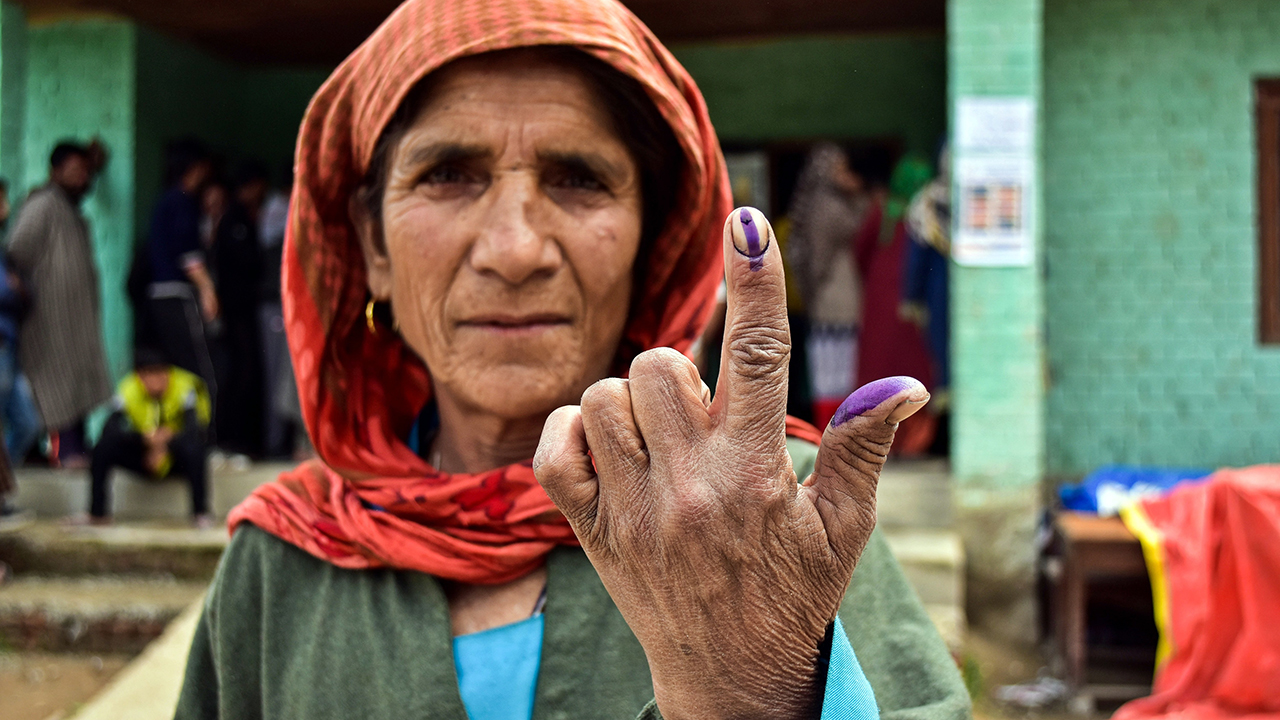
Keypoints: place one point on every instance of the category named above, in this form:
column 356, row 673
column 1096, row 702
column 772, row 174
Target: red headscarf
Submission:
column 373, row 502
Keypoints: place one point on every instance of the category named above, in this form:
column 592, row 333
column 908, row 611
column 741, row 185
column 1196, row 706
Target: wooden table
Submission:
column 1089, row 548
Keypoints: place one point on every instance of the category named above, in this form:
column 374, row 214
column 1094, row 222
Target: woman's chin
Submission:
column 522, row 391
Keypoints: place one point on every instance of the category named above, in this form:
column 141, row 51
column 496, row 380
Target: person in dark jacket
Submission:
column 236, row 258
column 181, row 295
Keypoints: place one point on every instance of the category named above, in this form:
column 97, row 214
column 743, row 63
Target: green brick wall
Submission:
column 866, row 86
column 997, row 344
column 1150, row 233
column 80, row 83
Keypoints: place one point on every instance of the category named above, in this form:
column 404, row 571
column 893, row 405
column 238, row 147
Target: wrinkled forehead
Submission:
column 558, row 79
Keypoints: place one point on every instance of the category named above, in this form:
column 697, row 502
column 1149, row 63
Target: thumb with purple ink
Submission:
column 853, row 451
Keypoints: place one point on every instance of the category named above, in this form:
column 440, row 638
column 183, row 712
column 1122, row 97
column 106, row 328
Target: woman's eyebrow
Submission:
column 593, row 162
column 434, row 153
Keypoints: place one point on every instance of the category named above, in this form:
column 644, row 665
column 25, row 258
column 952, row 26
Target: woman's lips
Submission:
column 502, row 324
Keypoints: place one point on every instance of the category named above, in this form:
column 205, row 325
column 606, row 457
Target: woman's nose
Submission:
column 513, row 242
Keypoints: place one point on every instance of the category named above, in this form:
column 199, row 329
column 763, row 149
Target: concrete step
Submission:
column 52, row 493
column 914, row 494
column 174, row 549
column 148, row 688
column 93, row 614
column 933, row 561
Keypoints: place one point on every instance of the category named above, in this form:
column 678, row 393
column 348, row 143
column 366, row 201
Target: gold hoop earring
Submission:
column 368, row 316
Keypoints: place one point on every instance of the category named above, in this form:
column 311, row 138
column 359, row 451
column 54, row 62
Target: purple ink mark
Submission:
column 871, row 396
column 752, row 232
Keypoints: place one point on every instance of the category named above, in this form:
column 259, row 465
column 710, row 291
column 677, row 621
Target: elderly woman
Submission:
column 503, row 209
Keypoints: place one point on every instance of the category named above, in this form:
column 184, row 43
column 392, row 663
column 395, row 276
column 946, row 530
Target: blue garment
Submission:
column 175, row 236
column 924, row 282
column 498, row 674
column 848, row 695
column 10, row 306
column 21, row 420
column 498, row 670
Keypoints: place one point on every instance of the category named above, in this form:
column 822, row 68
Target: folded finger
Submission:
column 667, row 400
column 563, row 467
column 621, row 458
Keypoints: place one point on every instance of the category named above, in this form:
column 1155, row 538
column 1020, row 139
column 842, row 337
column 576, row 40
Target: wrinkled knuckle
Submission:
column 763, row 352
column 868, row 449
column 610, row 392
column 660, row 363
column 689, row 508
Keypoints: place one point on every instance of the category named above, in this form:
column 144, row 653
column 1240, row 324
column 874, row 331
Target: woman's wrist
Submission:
column 750, row 680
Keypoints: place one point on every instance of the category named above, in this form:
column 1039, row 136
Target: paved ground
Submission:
column 37, row 686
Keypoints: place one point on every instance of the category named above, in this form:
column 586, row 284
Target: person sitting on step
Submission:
column 159, row 427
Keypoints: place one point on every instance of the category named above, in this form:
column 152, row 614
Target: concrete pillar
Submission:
column 81, row 83
column 998, row 341
column 13, row 94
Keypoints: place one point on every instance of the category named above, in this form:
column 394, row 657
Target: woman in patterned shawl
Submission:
column 508, row 226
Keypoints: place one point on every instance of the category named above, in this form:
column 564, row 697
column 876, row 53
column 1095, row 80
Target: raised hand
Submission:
column 727, row 571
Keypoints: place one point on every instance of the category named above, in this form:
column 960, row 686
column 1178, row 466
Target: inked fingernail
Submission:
column 873, row 394
column 751, row 234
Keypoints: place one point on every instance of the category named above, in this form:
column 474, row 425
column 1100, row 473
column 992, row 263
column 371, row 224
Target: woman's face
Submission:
column 510, row 223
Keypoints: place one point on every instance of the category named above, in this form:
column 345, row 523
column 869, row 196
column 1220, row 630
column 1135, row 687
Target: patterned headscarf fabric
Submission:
column 371, row 501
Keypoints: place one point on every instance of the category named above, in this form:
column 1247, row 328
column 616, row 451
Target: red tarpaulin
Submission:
column 1213, row 551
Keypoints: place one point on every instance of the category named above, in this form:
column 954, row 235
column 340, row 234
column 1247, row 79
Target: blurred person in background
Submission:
column 21, row 420
column 158, row 428
column 236, row 259
column 888, row 344
column 277, row 374
column 925, row 288
column 181, row 296
column 826, row 211
column 60, row 344
column 214, row 200
column 18, row 417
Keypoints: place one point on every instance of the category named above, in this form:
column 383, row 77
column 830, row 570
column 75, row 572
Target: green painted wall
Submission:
column 80, row 84
column 997, row 348
column 864, row 86
column 181, row 91
column 997, row 342
column 240, row 111
column 1151, row 240
column 271, row 103
column 13, row 93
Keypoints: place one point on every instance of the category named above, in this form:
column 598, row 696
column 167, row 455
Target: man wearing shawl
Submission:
column 400, row 577
column 60, row 347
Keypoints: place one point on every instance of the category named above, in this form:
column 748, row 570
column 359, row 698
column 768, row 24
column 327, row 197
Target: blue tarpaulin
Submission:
column 1107, row 489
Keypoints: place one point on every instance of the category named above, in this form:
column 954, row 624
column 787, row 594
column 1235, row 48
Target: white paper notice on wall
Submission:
column 995, row 124
column 994, row 181
column 994, row 222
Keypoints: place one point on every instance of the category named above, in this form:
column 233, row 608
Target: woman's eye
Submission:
column 445, row 175
column 576, row 180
